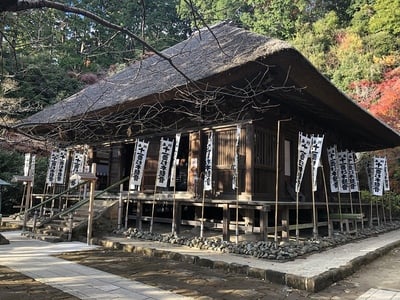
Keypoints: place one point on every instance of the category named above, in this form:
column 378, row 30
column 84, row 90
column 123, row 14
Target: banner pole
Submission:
column 172, row 181
column 315, row 229
column 173, row 229
column 383, row 211
column 377, row 212
column 352, row 210
column 152, row 207
column 371, row 215
column 327, row 203
column 277, row 182
column 238, row 129
column 361, row 210
column 340, row 212
column 237, row 213
column 127, row 210
column 297, row 218
column 202, row 214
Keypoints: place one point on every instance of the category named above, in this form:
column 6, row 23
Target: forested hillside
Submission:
column 48, row 54
column 355, row 43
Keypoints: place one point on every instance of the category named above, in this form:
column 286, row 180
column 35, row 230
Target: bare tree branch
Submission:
column 20, row 5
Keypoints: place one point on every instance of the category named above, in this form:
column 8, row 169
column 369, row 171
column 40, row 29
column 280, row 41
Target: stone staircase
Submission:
column 58, row 229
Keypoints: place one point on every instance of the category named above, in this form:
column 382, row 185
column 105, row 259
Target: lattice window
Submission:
column 264, row 148
column 225, row 141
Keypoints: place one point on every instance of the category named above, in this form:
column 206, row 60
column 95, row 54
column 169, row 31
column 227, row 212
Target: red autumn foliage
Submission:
column 382, row 98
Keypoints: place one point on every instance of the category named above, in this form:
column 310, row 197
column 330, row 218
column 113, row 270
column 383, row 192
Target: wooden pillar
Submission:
column 285, row 223
column 197, row 214
column 117, row 161
column 226, row 222
column 27, row 199
column 91, row 204
column 139, row 214
column 264, row 224
column 194, row 163
column 178, row 217
column 249, row 220
column 249, row 166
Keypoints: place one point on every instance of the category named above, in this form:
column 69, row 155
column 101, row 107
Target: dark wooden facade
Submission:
column 236, row 77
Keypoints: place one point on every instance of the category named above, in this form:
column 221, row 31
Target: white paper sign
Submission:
column 61, row 166
column 175, row 157
column 304, row 148
column 235, row 166
column 164, row 162
column 386, row 186
column 344, row 185
column 378, row 176
column 316, row 150
column 138, row 164
column 52, row 168
column 208, row 164
column 333, row 169
column 353, row 178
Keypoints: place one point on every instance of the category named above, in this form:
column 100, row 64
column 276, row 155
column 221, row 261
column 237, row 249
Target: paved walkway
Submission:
column 380, row 294
column 33, row 258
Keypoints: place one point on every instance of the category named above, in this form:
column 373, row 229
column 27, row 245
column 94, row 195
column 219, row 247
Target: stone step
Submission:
column 49, row 238
column 52, row 232
column 45, row 237
column 57, row 230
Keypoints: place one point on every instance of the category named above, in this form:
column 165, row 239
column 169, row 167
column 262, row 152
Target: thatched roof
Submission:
column 214, row 59
column 13, row 141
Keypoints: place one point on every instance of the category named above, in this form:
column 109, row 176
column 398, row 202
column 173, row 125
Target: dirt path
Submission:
column 182, row 278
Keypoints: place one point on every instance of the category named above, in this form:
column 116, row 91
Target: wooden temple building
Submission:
column 218, row 80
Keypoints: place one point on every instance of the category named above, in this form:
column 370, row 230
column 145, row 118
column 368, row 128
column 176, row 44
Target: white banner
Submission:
column 164, row 162
column 235, row 166
column 208, row 164
column 378, row 176
column 52, row 168
column 386, row 186
column 32, row 167
column 27, row 164
column 175, row 157
column 333, row 169
column 368, row 170
column 77, row 166
column 353, row 178
column 138, row 163
column 316, row 150
column 77, row 163
column 61, row 166
column 304, row 148
column 344, row 185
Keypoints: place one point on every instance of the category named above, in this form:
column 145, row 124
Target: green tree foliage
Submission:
column 11, row 163
column 210, row 11
column 316, row 39
column 386, row 17
column 50, row 54
column 47, row 55
column 274, row 18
